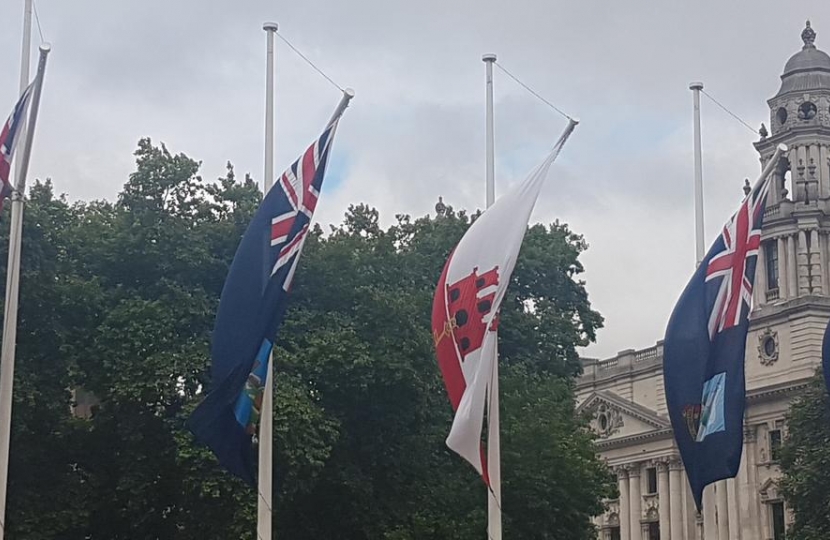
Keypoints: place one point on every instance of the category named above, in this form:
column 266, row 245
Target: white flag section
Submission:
column 464, row 318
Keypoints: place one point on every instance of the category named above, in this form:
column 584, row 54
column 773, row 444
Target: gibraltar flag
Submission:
column 466, row 305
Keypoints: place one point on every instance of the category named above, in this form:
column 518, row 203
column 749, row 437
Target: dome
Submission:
column 808, row 69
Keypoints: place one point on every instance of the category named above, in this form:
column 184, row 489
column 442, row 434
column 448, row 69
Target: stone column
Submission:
column 676, row 481
column 792, row 283
column 625, row 512
column 750, row 517
column 815, row 263
column 635, row 500
column 723, row 510
column 759, row 292
column 663, row 499
column 765, row 522
column 803, row 265
column 710, row 525
column 782, row 268
column 732, row 508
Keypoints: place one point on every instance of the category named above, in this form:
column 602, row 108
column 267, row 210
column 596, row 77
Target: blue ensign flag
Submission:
column 251, row 308
column 703, row 353
column 825, row 356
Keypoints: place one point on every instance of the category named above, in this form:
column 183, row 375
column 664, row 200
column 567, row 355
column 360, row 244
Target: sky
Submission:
column 191, row 74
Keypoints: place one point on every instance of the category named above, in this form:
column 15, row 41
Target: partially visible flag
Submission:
column 9, row 137
column 466, row 306
column 825, row 356
column 251, row 309
column 703, row 353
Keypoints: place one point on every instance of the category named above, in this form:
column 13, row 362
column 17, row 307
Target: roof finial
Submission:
column 809, row 36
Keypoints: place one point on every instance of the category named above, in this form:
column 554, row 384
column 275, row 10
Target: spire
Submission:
column 808, row 36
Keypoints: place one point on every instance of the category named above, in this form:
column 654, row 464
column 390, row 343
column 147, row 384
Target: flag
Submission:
column 9, row 137
column 252, row 306
column 466, row 305
column 703, row 352
column 825, row 356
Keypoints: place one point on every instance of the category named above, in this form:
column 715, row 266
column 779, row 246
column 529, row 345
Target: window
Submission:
column 774, row 444
column 615, row 533
column 651, row 477
column 771, row 254
column 778, row 525
column 654, row 531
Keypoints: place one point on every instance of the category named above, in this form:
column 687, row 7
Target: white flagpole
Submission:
column 13, row 285
column 489, row 59
column 266, row 418
column 493, row 436
column 700, row 252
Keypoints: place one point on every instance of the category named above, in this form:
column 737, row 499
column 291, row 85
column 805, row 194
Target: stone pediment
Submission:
column 615, row 417
column 769, row 490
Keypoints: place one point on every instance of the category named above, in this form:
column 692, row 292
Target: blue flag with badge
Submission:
column 251, row 308
column 705, row 344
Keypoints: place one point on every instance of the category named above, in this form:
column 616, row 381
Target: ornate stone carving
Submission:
column 809, row 36
column 750, row 434
column 653, row 513
column 607, row 420
column 768, row 347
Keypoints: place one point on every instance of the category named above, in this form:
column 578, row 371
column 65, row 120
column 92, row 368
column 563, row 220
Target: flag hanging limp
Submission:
column 9, row 137
column 705, row 344
column 466, row 305
column 252, row 306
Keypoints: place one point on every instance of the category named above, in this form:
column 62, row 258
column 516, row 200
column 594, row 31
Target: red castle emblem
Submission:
column 468, row 309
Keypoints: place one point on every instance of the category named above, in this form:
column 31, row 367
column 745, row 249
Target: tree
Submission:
column 119, row 299
column 805, row 462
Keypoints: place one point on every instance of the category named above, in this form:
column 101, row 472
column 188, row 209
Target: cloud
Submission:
column 191, row 74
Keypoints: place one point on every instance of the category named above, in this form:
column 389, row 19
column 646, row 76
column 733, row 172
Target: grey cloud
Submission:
column 190, row 73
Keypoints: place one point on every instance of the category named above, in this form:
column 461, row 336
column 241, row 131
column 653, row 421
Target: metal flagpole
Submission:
column 696, row 87
column 489, row 60
column 493, row 435
column 13, row 288
column 266, row 418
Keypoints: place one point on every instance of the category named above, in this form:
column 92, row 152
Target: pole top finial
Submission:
column 696, row 85
column 270, row 27
column 45, row 47
column 808, row 36
column 489, row 57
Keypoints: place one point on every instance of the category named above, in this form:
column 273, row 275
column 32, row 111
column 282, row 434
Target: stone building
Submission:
column 791, row 307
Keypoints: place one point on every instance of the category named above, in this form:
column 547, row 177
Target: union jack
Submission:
column 741, row 238
column 301, row 185
column 9, row 137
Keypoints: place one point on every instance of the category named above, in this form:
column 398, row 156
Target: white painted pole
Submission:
column 266, row 418
column 700, row 249
column 493, row 434
column 26, row 51
column 348, row 94
column 12, row 291
column 489, row 59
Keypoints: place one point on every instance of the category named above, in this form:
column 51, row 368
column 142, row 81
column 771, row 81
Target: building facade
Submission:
column 791, row 306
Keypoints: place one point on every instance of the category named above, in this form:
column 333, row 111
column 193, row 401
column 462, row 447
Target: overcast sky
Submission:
column 190, row 73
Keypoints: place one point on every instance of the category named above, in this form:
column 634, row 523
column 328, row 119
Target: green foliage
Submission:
column 805, row 461
column 119, row 299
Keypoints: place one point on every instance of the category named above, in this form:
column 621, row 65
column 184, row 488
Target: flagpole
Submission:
column 266, row 419
column 13, row 289
column 493, row 435
column 489, row 60
column 696, row 88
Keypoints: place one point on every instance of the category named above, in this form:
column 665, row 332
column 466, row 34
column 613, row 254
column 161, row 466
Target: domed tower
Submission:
column 792, row 289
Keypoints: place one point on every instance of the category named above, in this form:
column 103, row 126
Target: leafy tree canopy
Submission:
column 805, row 461
column 119, row 299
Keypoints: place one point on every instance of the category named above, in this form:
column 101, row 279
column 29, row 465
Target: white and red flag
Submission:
column 465, row 314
